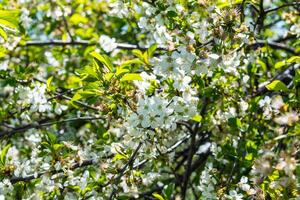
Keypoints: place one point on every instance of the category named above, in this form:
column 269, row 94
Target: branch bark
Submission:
column 41, row 123
column 121, row 173
column 275, row 45
column 124, row 46
column 280, row 76
column 282, row 6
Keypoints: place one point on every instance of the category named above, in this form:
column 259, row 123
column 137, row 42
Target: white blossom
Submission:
column 108, row 44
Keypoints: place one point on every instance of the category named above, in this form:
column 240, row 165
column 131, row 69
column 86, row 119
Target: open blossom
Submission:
column 265, row 102
column 234, row 195
column 243, row 184
column 288, row 165
column 108, row 44
column 181, row 83
column 277, row 102
column 172, row 106
column 288, row 118
column 35, row 97
column 4, row 65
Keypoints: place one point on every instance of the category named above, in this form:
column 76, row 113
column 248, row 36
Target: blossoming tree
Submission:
column 156, row 99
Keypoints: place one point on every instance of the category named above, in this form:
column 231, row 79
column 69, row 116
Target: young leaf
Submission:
column 103, row 59
column 280, row 64
column 138, row 54
column 234, row 122
column 293, row 59
column 3, row 154
column 9, row 19
column 277, row 86
column 157, row 196
column 169, row 190
column 297, row 76
column 131, row 62
column 146, row 58
column 131, row 77
column 49, row 80
column 197, row 118
column 3, row 34
column 151, row 50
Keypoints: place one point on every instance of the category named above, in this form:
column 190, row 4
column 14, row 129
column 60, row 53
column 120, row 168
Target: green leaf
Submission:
column 77, row 96
column 121, row 71
column 197, row 118
column 157, row 196
column 9, row 19
column 146, row 58
column 169, row 190
column 293, row 59
column 2, row 51
column 131, row 77
column 103, row 59
column 119, row 156
column 249, row 156
column 171, row 13
column 235, row 122
column 280, row 64
column 3, row 154
column 52, row 138
column 277, row 86
column 108, row 76
column 222, row 4
column 151, row 50
column 77, row 18
column 131, row 62
column 57, row 147
column 49, row 80
column 3, row 34
column 262, row 64
column 138, row 54
column 297, row 76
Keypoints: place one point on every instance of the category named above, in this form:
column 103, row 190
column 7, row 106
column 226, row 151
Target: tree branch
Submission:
column 275, row 45
column 121, row 173
column 280, row 76
column 189, row 165
column 282, row 6
column 169, row 150
column 41, row 123
column 84, row 43
column 14, row 180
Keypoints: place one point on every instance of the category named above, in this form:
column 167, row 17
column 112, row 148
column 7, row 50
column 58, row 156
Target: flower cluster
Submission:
column 112, row 99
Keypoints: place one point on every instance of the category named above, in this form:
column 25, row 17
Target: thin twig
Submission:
column 42, row 123
column 189, row 165
column 84, row 43
column 282, row 6
column 275, row 45
column 121, row 173
column 280, row 76
column 169, row 150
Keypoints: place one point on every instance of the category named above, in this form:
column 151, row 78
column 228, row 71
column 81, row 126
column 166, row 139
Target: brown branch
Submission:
column 42, row 123
column 275, row 45
column 84, row 43
column 67, row 25
column 189, row 165
column 14, row 180
column 59, row 43
column 282, row 6
column 169, row 150
column 87, row 163
column 280, row 76
column 121, row 173
column 261, row 16
column 283, row 39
